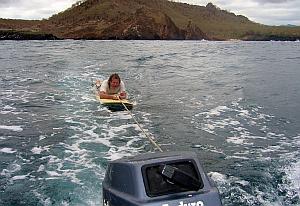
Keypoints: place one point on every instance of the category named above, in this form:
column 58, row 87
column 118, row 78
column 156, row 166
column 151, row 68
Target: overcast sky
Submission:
column 270, row 12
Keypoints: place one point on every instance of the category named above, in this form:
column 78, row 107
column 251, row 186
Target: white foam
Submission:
column 237, row 157
column 41, row 168
column 235, row 140
column 42, row 137
column 244, row 113
column 45, row 200
column 7, row 150
column 243, row 182
column 217, row 111
column 117, row 153
column 297, row 140
column 7, row 107
column 218, row 177
column 210, row 126
column 19, row 177
column 53, row 173
column 294, row 176
column 90, row 66
column 36, row 150
column 105, row 131
column 13, row 128
column 234, row 122
column 8, row 93
column 5, row 112
column 254, row 137
column 10, row 170
column 239, row 129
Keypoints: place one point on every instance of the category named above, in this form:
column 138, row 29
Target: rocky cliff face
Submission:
column 193, row 32
column 144, row 23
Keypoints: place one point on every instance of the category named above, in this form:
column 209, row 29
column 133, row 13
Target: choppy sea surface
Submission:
column 237, row 104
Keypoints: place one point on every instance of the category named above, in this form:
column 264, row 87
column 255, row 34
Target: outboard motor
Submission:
column 159, row 179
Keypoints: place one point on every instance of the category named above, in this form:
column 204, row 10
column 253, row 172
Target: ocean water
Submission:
column 234, row 103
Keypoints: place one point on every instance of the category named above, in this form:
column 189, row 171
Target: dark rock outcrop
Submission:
column 271, row 37
column 25, row 35
column 194, row 33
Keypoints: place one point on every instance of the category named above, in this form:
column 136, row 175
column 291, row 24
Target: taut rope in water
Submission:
column 150, row 138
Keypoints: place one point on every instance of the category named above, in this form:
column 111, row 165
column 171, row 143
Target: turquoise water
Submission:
column 234, row 103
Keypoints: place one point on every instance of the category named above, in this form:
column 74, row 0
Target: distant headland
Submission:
column 144, row 20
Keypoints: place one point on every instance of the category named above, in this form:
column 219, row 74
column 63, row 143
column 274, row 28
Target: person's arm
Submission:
column 123, row 94
column 103, row 95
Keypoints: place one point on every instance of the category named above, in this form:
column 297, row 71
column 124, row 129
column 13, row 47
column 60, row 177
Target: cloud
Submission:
column 32, row 9
column 272, row 1
column 269, row 12
column 8, row 3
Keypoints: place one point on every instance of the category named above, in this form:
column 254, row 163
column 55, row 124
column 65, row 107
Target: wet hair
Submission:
column 114, row 76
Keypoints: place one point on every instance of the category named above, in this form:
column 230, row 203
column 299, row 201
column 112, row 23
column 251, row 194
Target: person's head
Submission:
column 114, row 80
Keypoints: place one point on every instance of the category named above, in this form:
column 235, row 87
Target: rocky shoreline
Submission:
column 32, row 35
column 25, row 35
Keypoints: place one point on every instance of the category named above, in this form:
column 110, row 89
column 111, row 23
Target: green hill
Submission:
column 151, row 19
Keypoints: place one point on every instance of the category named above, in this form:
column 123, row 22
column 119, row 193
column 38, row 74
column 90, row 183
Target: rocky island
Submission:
column 144, row 19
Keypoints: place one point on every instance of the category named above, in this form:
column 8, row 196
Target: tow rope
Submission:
column 137, row 123
column 150, row 138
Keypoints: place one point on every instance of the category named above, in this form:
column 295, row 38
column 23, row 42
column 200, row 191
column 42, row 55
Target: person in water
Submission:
column 112, row 88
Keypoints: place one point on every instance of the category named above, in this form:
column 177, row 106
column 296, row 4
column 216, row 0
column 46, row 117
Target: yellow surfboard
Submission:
column 115, row 105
